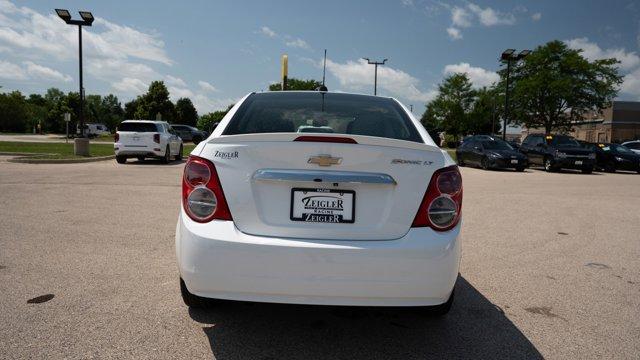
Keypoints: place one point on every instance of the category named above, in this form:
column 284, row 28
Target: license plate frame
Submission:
column 323, row 216
column 578, row 162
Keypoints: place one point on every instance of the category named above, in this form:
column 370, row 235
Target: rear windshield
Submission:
column 564, row 141
column 319, row 112
column 137, row 127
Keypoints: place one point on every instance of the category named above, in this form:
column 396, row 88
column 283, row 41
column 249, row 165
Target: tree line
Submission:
column 552, row 88
column 20, row 113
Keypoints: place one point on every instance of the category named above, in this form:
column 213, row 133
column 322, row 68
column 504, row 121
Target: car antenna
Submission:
column 324, row 70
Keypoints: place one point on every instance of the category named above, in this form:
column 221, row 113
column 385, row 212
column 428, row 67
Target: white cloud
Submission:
column 460, row 17
column 631, row 84
column 536, row 16
column 40, row 72
column 478, row 76
column 206, row 104
column 454, row 33
column 11, row 71
column 299, row 43
column 131, row 86
column 490, row 17
column 175, row 81
column 268, row 32
column 205, row 86
column 590, row 50
column 358, row 75
column 176, row 92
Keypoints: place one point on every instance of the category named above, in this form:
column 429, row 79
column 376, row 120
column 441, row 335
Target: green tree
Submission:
column 483, row 113
column 113, row 114
column 450, row 110
column 37, row 108
column 185, row 112
column 555, row 85
column 297, row 84
column 208, row 121
column 13, row 112
column 130, row 108
column 155, row 101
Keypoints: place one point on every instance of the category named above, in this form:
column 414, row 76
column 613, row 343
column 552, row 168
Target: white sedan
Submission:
column 367, row 214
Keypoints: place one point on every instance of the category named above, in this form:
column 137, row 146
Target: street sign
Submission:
column 67, row 117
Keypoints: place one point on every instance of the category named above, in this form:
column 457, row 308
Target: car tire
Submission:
column 121, row 159
column 459, row 161
column 548, row 165
column 140, row 158
column 167, row 156
column 439, row 310
column 196, row 140
column 484, row 163
column 588, row 170
column 189, row 299
column 179, row 156
column 520, row 169
column 610, row 167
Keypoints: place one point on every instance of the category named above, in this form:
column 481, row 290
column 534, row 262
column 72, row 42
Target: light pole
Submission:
column 375, row 76
column 87, row 20
column 509, row 56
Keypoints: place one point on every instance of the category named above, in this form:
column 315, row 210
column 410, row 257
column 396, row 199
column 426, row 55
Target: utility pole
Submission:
column 375, row 76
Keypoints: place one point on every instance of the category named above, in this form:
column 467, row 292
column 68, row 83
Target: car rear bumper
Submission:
column 216, row 260
column 569, row 163
column 506, row 163
column 133, row 151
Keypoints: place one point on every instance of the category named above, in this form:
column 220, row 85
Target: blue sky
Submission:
column 217, row 51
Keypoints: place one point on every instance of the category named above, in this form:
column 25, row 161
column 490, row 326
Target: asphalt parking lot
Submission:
column 550, row 269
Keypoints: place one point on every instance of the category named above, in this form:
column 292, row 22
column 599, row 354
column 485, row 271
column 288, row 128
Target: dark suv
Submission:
column 189, row 133
column 556, row 152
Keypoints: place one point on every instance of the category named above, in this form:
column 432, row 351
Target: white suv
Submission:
column 367, row 214
column 145, row 138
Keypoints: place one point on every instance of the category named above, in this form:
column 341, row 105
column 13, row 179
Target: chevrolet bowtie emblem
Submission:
column 325, row 160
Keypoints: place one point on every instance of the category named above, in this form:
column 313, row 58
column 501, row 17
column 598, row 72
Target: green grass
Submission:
column 452, row 152
column 60, row 150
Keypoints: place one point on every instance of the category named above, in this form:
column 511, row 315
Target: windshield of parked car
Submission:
column 621, row 149
column 137, row 127
column 564, row 141
column 321, row 112
column 496, row 145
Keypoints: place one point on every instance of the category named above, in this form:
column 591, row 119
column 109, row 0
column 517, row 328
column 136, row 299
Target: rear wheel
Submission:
column 520, row 169
column 588, row 170
column 548, row 165
column 140, row 158
column 167, row 156
column 484, row 163
column 459, row 161
column 189, row 299
column 179, row 156
column 610, row 167
column 121, row 159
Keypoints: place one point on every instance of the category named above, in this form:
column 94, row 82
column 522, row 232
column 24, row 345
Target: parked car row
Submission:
column 552, row 152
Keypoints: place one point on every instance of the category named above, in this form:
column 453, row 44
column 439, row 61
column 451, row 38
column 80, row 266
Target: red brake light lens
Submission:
column 156, row 138
column 327, row 139
column 202, row 196
column 441, row 205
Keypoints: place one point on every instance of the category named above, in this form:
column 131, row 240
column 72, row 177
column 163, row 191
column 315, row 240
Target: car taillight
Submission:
column 116, row 137
column 202, row 196
column 441, row 206
column 156, row 138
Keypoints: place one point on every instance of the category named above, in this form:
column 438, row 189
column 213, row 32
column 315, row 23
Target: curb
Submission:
column 32, row 158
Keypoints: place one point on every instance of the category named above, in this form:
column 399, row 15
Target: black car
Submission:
column 612, row 157
column 556, row 152
column 189, row 133
column 490, row 154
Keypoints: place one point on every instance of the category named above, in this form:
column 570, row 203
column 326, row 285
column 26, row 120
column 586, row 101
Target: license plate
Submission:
column 323, row 205
column 578, row 162
column 514, row 161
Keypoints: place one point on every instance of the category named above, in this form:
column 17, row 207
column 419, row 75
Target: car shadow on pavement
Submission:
column 157, row 162
column 474, row 329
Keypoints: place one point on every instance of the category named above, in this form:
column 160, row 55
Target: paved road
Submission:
column 550, row 268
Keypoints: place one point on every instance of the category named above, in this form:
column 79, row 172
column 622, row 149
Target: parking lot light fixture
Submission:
column 508, row 56
column 375, row 76
column 87, row 20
